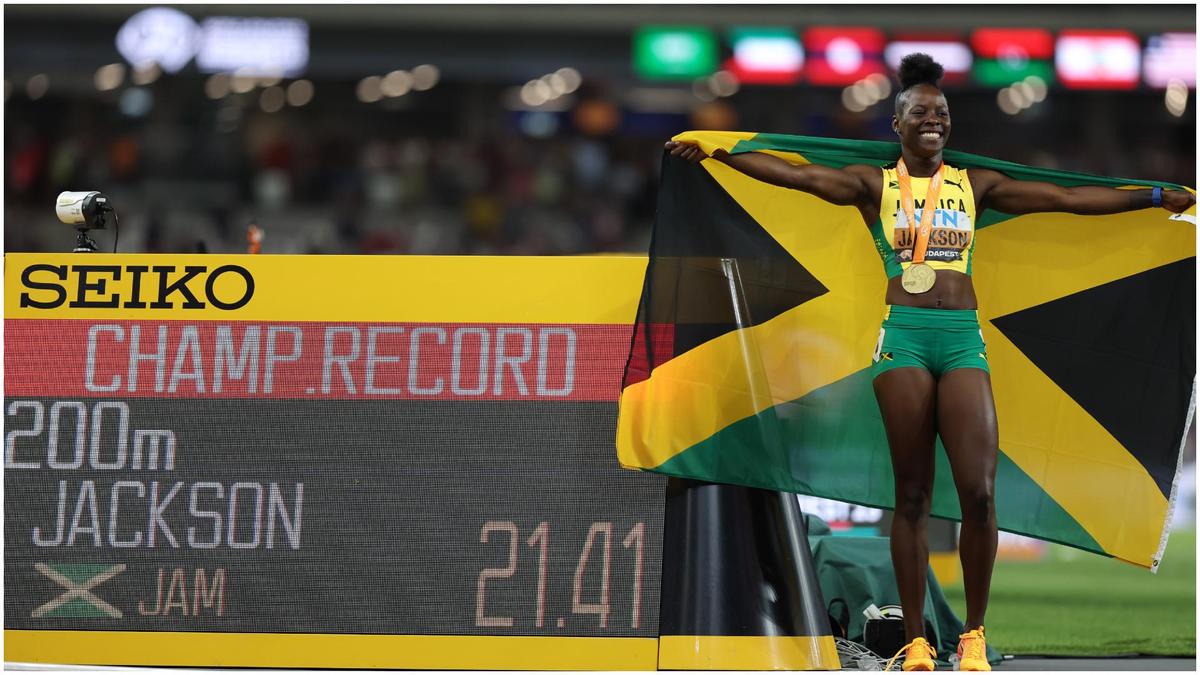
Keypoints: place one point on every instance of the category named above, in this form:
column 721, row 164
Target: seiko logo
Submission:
column 156, row 287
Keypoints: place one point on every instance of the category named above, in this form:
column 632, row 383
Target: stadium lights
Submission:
column 557, row 83
column 37, row 86
column 1176, row 98
column 146, row 74
column 272, row 99
column 549, row 88
column 516, row 98
column 109, row 77
column 571, row 78
column 724, row 83
column 852, row 100
column 396, row 83
column 866, row 92
column 1038, row 88
column 1006, row 99
column 425, row 76
column 720, row 84
column 370, row 89
column 299, row 93
column 136, row 102
column 1021, row 95
column 160, row 35
column 217, row 85
column 535, row 93
column 861, row 95
column 878, row 85
column 171, row 38
column 243, row 83
column 263, row 46
column 702, row 90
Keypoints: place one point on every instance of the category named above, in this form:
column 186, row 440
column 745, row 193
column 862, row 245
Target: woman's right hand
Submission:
column 686, row 150
column 1177, row 201
column 854, row 185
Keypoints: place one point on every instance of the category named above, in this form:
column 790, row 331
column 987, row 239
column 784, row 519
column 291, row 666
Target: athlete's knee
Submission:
column 978, row 505
column 913, row 501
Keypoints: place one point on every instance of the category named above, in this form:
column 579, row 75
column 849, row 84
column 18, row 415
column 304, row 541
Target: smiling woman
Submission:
column 919, row 93
column 931, row 372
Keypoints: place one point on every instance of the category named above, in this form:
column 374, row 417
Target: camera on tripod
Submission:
column 86, row 211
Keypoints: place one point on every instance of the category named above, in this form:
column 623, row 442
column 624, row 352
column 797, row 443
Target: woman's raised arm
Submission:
column 844, row 187
column 1002, row 193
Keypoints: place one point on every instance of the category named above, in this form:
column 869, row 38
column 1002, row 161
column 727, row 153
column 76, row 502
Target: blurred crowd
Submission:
column 194, row 174
column 324, row 189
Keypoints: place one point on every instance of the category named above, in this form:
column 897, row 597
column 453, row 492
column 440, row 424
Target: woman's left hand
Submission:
column 1177, row 201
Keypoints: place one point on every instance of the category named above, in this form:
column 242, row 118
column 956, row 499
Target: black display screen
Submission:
column 362, row 517
column 400, row 478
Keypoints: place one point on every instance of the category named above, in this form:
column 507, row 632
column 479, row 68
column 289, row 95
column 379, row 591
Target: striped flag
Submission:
column 761, row 307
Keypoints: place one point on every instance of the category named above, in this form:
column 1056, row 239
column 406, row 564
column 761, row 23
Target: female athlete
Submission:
column 930, row 367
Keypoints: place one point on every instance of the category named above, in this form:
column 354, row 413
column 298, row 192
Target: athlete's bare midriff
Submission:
column 952, row 290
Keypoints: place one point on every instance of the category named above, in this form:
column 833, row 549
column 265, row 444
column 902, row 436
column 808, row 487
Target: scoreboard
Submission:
column 324, row 461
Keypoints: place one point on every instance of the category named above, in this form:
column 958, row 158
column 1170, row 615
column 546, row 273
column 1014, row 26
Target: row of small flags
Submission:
column 994, row 57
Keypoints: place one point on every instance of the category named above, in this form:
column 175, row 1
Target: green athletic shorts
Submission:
column 938, row 340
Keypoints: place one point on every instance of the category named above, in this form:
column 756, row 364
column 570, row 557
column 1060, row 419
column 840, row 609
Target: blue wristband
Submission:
column 1156, row 197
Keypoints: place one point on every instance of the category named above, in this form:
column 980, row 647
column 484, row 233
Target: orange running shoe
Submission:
column 972, row 651
column 918, row 655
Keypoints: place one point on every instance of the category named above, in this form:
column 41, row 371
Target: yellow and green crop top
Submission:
column 952, row 241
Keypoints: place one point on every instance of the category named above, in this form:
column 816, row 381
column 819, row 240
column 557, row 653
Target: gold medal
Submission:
column 918, row 278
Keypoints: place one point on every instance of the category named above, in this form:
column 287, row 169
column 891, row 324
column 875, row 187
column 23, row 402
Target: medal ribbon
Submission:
column 920, row 239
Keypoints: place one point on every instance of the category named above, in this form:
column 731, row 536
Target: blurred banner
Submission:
column 323, row 462
column 1089, row 323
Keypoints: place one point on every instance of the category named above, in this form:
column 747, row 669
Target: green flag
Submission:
column 760, row 311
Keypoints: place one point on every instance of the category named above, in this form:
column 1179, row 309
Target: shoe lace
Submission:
column 915, row 644
column 973, row 644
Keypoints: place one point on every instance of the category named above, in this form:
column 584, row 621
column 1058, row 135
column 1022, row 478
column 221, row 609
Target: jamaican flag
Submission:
column 760, row 311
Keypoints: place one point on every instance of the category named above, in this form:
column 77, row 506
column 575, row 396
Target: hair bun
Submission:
column 919, row 68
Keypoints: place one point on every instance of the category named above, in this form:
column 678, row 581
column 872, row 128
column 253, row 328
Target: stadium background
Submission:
column 465, row 166
column 460, row 164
